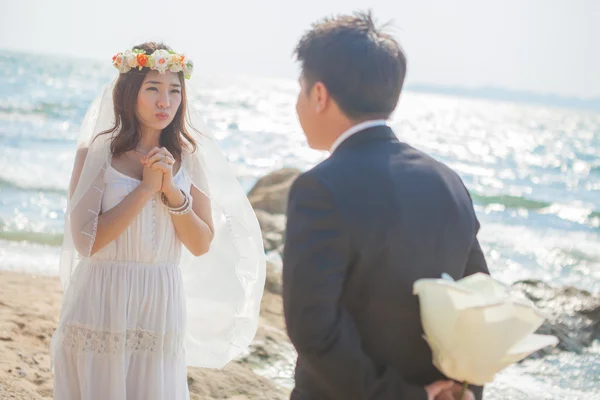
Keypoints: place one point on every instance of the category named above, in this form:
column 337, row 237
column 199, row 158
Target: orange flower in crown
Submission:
column 160, row 60
column 142, row 59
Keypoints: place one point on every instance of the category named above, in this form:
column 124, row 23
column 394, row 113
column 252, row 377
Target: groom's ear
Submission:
column 320, row 96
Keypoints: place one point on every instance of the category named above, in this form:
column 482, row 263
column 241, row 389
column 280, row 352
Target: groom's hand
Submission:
column 447, row 390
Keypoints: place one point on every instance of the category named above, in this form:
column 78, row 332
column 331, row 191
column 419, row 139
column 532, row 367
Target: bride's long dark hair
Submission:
column 174, row 137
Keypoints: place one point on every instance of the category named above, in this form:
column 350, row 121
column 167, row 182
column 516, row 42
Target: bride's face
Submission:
column 158, row 100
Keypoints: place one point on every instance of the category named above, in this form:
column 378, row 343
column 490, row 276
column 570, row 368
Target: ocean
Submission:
column 533, row 172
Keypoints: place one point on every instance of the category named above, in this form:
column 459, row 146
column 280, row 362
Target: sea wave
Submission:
column 53, row 110
column 49, row 239
column 509, row 201
column 8, row 184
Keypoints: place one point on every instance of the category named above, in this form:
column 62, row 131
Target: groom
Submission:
column 364, row 225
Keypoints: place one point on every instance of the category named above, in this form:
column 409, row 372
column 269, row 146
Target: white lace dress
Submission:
column 122, row 328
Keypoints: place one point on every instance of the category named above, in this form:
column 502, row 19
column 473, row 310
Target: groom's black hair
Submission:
column 362, row 67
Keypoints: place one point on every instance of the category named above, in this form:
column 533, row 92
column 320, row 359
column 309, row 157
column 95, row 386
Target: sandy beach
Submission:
column 29, row 310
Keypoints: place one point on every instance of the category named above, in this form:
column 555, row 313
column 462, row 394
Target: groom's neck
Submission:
column 340, row 126
column 334, row 124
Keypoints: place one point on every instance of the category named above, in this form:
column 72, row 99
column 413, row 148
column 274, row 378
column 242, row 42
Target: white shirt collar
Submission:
column 355, row 129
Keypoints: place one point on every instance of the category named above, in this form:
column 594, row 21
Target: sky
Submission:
column 541, row 46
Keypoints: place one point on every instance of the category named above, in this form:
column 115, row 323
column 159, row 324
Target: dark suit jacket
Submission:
column 362, row 227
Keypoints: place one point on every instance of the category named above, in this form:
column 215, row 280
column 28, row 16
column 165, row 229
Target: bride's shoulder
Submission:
column 80, row 156
column 82, row 152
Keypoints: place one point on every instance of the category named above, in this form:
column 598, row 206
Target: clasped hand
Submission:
column 158, row 170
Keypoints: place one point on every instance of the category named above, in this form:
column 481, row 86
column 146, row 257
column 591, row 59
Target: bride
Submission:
column 162, row 261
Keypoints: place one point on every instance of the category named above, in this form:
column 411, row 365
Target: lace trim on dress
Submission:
column 82, row 338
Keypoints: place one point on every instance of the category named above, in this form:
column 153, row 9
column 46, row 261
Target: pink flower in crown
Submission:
column 160, row 60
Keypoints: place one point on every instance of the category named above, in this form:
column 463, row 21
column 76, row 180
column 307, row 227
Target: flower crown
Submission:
column 160, row 60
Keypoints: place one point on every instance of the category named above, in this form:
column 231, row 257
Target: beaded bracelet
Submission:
column 184, row 211
column 181, row 210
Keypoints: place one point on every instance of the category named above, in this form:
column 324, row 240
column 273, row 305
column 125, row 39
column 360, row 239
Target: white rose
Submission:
column 130, row 59
column 124, row 68
column 160, row 60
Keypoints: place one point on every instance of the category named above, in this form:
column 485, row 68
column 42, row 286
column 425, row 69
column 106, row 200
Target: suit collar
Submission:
column 375, row 133
column 355, row 129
